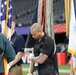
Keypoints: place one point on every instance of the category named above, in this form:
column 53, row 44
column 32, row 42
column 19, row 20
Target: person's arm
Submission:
column 20, row 44
column 40, row 59
column 17, row 58
column 47, row 49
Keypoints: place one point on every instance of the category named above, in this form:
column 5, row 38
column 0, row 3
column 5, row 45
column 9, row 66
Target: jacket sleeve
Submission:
column 9, row 52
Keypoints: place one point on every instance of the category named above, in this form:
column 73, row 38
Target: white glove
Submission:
column 31, row 55
column 36, row 64
column 30, row 74
column 8, row 67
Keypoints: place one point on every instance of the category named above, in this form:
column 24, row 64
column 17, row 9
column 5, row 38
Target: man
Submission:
column 18, row 44
column 6, row 50
column 43, row 50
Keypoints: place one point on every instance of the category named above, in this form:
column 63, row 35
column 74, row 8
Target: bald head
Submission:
column 36, row 31
column 36, row 27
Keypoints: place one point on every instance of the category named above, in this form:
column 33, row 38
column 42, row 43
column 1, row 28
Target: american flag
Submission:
column 5, row 23
column 72, row 33
column 6, row 17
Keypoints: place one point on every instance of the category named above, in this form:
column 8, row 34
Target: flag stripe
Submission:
column 60, row 28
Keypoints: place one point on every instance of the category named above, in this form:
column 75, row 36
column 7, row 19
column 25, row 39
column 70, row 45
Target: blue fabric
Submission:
column 1, row 64
column 75, row 7
column 19, row 43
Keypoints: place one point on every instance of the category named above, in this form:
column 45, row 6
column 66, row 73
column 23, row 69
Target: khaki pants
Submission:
column 17, row 70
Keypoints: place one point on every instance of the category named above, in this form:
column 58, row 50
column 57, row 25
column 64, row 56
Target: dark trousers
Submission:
column 49, row 70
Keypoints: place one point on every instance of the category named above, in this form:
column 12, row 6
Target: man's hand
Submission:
column 31, row 55
column 8, row 67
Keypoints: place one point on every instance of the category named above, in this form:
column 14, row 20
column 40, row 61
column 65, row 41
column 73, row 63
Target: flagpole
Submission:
column 40, row 11
column 52, row 24
column 49, row 16
column 6, row 20
column 67, row 15
column 5, row 32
